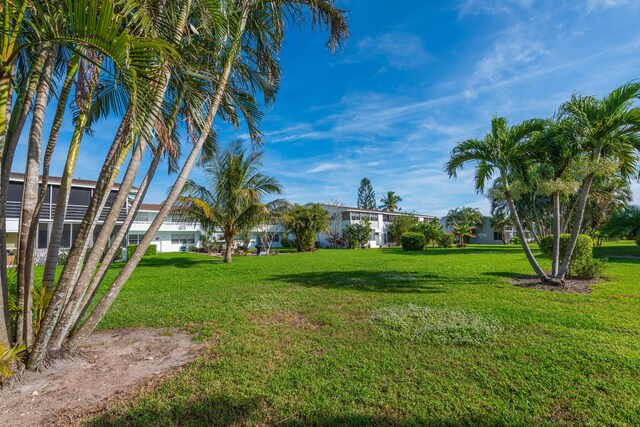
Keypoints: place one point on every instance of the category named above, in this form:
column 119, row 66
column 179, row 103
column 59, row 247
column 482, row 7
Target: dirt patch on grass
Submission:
column 290, row 318
column 571, row 286
column 117, row 365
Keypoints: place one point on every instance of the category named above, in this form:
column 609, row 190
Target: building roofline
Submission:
column 16, row 176
column 351, row 208
column 150, row 207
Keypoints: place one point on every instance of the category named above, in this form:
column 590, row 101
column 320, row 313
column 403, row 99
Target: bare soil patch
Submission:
column 117, row 365
column 571, row 286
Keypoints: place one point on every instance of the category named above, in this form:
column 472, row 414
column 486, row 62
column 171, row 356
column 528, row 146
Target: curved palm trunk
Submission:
column 113, row 291
column 114, row 249
column 577, row 225
column 28, row 213
column 71, row 269
column 71, row 309
column 62, row 203
column 521, row 234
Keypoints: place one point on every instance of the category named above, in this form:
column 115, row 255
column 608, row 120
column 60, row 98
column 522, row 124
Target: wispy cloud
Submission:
column 399, row 50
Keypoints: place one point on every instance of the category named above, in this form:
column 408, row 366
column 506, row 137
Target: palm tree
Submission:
column 232, row 199
column 506, row 151
column 305, row 222
column 624, row 223
column 499, row 222
column 609, row 134
column 390, row 202
column 464, row 232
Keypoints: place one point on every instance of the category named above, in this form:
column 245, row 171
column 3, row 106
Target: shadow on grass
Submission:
column 499, row 249
column 178, row 261
column 225, row 412
column 370, row 281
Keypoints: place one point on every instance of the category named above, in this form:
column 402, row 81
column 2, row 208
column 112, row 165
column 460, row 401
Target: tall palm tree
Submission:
column 505, row 151
column 609, row 131
column 232, row 198
column 390, row 202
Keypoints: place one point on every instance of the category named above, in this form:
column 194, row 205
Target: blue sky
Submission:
column 415, row 78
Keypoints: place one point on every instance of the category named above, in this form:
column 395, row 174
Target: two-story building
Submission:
column 79, row 198
column 341, row 216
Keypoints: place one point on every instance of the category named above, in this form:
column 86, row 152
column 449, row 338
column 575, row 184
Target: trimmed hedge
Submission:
column 151, row 250
column 582, row 262
column 412, row 241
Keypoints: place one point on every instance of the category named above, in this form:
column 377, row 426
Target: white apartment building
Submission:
column 341, row 216
column 177, row 234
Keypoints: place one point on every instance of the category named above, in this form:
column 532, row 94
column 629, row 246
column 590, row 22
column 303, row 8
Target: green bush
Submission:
column 446, row 240
column 592, row 269
column 638, row 241
column 412, row 241
column 515, row 240
column 151, row 250
column 582, row 254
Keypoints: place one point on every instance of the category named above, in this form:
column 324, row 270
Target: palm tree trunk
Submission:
column 62, row 203
column 577, row 225
column 10, row 131
column 72, row 68
column 228, row 250
column 111, row 294
column 113, row 250
column 28, row 218
column 75, row 258
column 71, row 309
column 555, row 252
column 521, row 234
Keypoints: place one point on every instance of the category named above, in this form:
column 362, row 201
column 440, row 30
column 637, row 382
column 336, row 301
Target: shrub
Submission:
column 638, row 241
column 151, row 250
column 515, row 240
column 446, row 240
column 412, row 241
column 582, row 254
column 592, row 269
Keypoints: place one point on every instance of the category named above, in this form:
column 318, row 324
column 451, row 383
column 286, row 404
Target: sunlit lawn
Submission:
column 300, row 339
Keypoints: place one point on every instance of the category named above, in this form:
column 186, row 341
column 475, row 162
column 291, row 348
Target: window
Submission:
column 276, row 237
column 66, row 236
column 15, row 192
column 183, row 239
column 355, row 216
column 142, row 216
column 80, row 196
column 497, row 236
column 43, row 235
column 135, row 239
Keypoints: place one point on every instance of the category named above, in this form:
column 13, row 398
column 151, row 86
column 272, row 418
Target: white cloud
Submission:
column 402, row 51
column 325, row 167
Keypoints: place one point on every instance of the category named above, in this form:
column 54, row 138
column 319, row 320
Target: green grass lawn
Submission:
column 342, row 337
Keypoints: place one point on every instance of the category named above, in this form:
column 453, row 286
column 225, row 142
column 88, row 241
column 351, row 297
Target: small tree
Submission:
column 305, row 222
column 463, row 232
column 399, row 226
column 335, row 238
column 271, row 224
column 366, row 195
column 464, row 215
column 358, row 234
column 431, row 230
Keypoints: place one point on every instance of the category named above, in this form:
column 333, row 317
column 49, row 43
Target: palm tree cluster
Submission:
column 558, row 168
column 167, row 70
